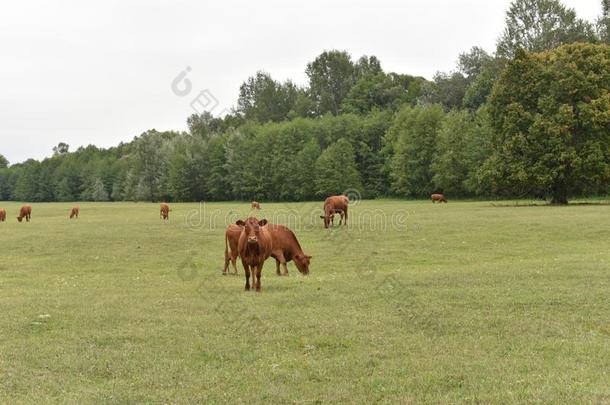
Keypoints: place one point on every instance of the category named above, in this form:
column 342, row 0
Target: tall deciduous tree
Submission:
column 335, row 170
column 263, row 99
column 603, row 23
column 331, row 76
column 538, row 25
column 551, row 115
column 3, row 162
column 461, row 147
column 61, row 149
column 447, row 89
column 413, row 135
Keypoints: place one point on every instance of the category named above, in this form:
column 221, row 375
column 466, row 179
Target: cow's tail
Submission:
column 227, row 259
column 226, row 245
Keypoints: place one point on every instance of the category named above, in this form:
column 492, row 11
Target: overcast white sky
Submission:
column 100, row 72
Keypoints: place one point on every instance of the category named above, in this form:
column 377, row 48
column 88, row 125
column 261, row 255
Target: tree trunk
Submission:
column 559, row 200
column 560, row 195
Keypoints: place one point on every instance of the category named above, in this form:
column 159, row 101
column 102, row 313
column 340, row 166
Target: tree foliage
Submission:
column 551, row 115
column 538, row 25
column 331, row 76
column 413, row 135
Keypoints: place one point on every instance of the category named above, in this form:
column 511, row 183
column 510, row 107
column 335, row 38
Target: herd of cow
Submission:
column 26, row 212
column 254, row 240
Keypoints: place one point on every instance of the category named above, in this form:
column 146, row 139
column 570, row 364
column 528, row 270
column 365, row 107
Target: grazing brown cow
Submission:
column 164, row 211
column 231, row 241
column 25, row 212
column 336, row 204
column 74, row 213
column 286, row 247
column 2, row 215
column 255, row 205
column 438, row 197
column 254, row 247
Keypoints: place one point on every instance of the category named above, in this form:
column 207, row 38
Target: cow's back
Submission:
column 336, row 202
column 232, row 234
column 283, row 238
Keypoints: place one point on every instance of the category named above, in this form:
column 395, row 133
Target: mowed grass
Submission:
column 413, row 302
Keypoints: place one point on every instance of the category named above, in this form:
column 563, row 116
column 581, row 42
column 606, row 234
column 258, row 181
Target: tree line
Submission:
column 530, row 120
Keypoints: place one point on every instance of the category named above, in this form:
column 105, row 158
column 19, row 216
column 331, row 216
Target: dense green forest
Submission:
column 530, row 120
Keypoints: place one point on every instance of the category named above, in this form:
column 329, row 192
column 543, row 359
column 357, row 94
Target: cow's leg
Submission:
column 280, row 259
column 226, row 267
column 259, row 271
column 345, row 213
column 234, row 263
column 254, row 271
column 247, row 271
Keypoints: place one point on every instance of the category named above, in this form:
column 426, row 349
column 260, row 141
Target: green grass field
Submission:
column 413, row 302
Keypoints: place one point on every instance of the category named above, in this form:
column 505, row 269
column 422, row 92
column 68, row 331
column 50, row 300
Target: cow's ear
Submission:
column 322, row 216
column 240, row 222
column 309, row 257
column 262, row 222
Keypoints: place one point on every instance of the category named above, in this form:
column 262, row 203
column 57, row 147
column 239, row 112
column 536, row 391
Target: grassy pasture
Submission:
column 413, row 302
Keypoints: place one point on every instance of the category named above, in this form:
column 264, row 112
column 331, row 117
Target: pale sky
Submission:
column 85, row 72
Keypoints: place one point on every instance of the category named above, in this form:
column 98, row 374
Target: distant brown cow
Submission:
column 25, row 212
column 438, row 197
column 164, row 211
column 285, row 248
column 231, row 241
column 74, row 213
column 336, row 204
column 2, row 215
column 254, row 247
column 255, row 205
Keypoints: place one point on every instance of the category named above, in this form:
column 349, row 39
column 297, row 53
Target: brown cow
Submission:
column 256, row 205
column 231, row 241
column 2, row 215
column 164, row 211
column 254, row 247
column 286, row 247
column 74, row 213
column 336, row 204
column 438, row 197
column 25, row 212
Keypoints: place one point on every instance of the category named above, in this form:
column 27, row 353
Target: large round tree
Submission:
column 551, row 115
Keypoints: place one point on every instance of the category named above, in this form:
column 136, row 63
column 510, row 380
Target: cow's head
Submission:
column 327, row 218
column 19, row 218
column 302, row 263
column 252, row 227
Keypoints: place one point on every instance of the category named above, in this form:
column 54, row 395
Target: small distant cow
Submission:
column 438, row 197
column 336, row 204
column 2, row 215
column 255, row 205
column 164, row 213
column 25, row 212
column 286, row 247
column 254, row 247
column 74, row 212
column 231, row 241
